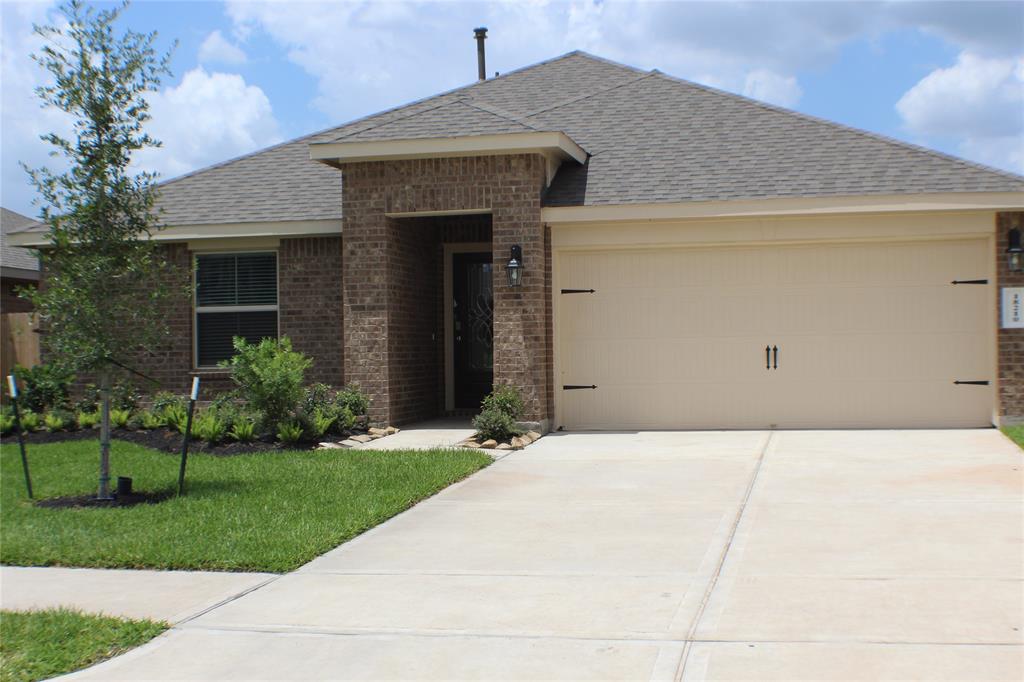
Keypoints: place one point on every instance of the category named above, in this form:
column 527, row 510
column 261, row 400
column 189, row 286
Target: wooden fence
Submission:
column 19, row 343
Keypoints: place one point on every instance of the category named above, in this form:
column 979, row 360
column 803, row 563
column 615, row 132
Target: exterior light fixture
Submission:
column 515, row 266
column 1014, row 252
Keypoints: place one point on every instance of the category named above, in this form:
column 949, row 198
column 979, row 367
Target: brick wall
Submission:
column 309, row 303
column 10, row 301
column 510, row 187
column 1011, row 341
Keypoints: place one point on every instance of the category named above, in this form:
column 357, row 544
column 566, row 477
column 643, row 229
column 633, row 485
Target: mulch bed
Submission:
column 79, row 501
column 165, row 440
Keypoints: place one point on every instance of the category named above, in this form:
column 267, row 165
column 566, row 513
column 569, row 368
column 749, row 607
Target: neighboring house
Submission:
column 688, row 258
column 19, row 267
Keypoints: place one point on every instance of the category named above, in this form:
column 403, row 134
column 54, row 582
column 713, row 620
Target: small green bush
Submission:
column 505, row 399
column 176, row 416
column 43, row 387
column 495, row 424
column 88, row 419
column 350, row 397
column 290, row 431
column 124, row 395
column 6, row 424
column 209, row 427
column 150, row 420
column 321, row 422
column 166, row 399
column 270, row 375
column 30, row 421
column 244, row 431
column 54, row 421
column 120, row 418
column 345, row 420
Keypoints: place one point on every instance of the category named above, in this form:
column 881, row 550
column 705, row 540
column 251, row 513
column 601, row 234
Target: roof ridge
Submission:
column 859, row 131
column 361, row 119
column 579, row 98
column 497, row 111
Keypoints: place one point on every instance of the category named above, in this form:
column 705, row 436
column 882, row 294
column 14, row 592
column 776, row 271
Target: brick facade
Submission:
column 378, row 341
column 1011, row 341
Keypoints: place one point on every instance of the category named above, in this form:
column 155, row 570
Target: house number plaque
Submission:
column 1013, row 307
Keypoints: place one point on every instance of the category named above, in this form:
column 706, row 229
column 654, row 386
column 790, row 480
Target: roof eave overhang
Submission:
column 864, row 203
column 243, row 230
column 555, row 146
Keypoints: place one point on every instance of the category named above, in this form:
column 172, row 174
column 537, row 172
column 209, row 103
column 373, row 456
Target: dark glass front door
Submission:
column 473, row 316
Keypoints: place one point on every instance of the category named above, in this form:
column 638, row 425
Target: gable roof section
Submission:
column 652, row 139
column 12, row 256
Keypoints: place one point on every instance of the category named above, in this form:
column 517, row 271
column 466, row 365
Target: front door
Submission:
column 473, row 317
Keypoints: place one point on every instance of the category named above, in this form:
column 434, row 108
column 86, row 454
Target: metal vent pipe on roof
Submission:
column 481, row 68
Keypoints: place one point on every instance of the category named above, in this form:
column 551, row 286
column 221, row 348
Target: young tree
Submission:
column 104, row 289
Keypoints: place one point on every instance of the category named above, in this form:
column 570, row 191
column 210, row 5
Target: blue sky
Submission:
column 948, row 75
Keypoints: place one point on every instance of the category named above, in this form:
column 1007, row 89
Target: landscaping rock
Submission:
column 532, row 435
column 520, row 442
column 374, row 431
column 362, row 438
column 504, row 446
column 470, row 444
column 350, row 443
column 391, row 430
column 330, row 446
column 489, row 444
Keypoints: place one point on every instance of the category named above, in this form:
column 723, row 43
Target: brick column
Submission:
column 1011, row 341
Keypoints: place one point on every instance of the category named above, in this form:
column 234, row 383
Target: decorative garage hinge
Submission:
column 575, row 387
column 578, row 291
column 969, row 281
column 970, row 383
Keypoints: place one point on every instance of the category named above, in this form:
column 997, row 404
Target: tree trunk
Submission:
column 104, row 492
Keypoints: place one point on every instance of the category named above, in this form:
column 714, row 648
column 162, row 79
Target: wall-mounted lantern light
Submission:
column 515, row 266
column 1014, row 252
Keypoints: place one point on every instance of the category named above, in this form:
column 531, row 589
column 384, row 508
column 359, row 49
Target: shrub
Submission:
column 120, row 418
column 345, row 420
column 43, row 387
column 176, row 417
column 123, row 396
column 290, row 431
column 244, row 430
column 55, row 421
column 150, row 420
column 209, row 427
column 353, row 399
column 321, row 422
column 29, row 421
column 505, row 399
column 270, row 376
column 495, row 424
column 6, row 424
column 166, row 399
column 88, row 419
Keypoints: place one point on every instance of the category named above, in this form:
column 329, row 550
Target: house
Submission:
column 629, row 249
column 19, row 267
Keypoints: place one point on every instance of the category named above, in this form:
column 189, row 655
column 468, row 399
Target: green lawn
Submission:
column 41, row 644
column 258, row 512
column 1016, row 434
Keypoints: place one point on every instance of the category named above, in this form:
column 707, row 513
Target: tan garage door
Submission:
column 857, row 335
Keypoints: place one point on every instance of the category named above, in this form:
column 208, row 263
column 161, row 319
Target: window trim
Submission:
column 197, row 309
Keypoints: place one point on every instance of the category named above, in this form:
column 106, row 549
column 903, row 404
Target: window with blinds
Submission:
column 236, row 295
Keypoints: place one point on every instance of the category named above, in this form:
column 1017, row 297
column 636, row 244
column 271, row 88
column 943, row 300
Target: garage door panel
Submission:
column 869, row 334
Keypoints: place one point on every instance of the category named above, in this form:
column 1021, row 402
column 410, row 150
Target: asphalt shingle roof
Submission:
column 14, row 256
column 651, row 137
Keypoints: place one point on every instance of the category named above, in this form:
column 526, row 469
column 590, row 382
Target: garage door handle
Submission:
column 775, row 357
column 767, row 357
column 970, row 383
column 573, row 387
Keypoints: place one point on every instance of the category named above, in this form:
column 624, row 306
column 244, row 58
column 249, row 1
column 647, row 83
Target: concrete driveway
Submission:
column 657, row 556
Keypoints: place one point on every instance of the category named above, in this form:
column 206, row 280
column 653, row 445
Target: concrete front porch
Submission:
column 802, row 555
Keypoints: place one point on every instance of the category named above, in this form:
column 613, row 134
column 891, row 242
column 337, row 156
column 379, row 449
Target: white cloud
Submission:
column 207, row 118
column 978, row 101
column 772, row 88
column 217, row 49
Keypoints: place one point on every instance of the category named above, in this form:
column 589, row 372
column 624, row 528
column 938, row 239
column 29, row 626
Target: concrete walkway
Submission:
column 436, row 433
column 172, row 596
column 658, row 556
